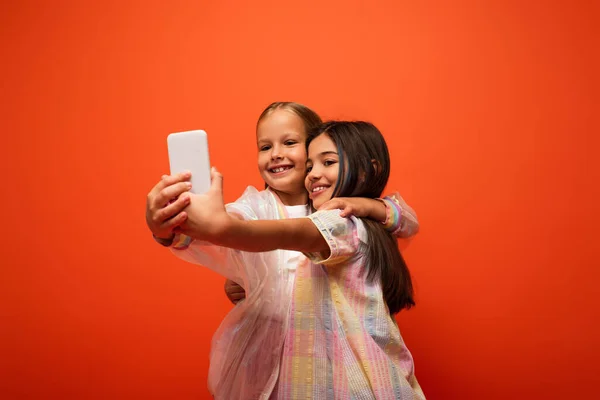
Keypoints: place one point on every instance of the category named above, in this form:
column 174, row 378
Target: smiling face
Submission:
column 281, row 139
column 322, row 168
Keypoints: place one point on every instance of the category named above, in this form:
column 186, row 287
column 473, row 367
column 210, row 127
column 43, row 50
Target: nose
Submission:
column 276, row 153
column 314, row 174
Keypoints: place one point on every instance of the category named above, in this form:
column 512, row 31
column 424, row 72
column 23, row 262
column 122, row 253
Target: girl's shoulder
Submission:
column 255, row 204
column 253, row 194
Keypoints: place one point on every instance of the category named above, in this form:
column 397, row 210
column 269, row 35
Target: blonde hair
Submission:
column 310, row 118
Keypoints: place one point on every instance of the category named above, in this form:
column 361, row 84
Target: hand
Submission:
column 165, row 204
column 207, row 218
column 356, row 206
column 235, row 293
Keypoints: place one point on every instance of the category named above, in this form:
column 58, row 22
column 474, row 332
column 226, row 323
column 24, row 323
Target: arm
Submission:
column 401, row 218
column 325, row 237
column 392, row 211
column 207, row 219
column 298, row 234
column 165, row 213
column 228, row 262
column 181, row 241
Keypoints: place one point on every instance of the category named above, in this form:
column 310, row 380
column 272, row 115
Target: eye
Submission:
column 290, row 142
column 264, row 147
column 308, row 168
column 328, row 163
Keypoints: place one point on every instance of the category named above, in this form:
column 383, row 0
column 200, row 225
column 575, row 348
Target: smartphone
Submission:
column 188, row 151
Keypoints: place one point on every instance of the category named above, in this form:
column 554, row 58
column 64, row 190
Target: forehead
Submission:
column 279, row 123
column 320, row 144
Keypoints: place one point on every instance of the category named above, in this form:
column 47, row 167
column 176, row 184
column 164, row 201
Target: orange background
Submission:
column 490, row 111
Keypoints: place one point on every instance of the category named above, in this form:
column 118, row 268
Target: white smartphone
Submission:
column 188, row 151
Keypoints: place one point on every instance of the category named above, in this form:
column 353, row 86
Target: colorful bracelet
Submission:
column 181, row 241
column 393, row 214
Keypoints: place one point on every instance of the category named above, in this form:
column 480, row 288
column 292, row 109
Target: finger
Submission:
column 229, row 283
column 173, row 179
column 168, row 180
column 171, row 192
column 216, row 180
column 237, row 296
column 175, row 221
column 173, row 208
column 332, row 204
column 346, row 212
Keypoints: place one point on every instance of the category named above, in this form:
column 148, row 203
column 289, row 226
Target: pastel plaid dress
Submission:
column 341, row 342
column 247, row 349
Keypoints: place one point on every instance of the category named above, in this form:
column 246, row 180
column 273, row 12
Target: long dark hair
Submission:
column 364, row 169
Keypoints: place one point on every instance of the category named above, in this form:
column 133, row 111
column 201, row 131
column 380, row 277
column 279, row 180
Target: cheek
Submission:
column 302, row 169
column 262, row 161
column 329, row 194
column 300, row 155
column 333, row 177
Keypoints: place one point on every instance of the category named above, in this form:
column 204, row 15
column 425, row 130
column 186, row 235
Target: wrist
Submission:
column 226, row 231
column 230, row 226
column 392, row 214
column 381, row 213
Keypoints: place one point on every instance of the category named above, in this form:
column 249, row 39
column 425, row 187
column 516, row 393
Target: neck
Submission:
column 292, row 199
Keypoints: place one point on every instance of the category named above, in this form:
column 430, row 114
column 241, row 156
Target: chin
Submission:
column 286, row 185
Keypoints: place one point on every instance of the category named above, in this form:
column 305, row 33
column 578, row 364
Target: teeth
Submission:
column 280, row 169
column 318, row 188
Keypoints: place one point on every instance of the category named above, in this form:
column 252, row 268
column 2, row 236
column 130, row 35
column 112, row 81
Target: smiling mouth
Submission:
column 317, row 190
column 279, row 170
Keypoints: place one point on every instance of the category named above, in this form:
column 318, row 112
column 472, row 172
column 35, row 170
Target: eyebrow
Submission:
column 322, row 154
column 286, row 136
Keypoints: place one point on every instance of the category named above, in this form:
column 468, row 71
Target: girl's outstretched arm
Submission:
column 298, row 234
column 208, row 220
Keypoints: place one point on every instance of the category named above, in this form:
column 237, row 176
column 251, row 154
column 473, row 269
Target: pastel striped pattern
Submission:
column 342, row 343
column 393, row 215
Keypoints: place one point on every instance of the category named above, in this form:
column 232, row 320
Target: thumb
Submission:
column 347, row 212
column 216, row 180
